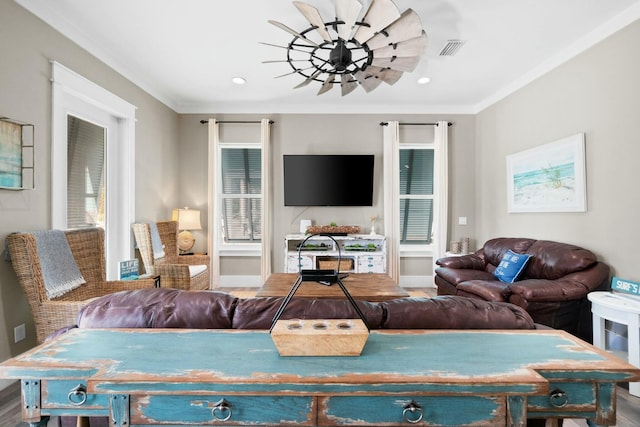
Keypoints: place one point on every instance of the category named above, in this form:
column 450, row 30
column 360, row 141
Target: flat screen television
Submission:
column 328, row 179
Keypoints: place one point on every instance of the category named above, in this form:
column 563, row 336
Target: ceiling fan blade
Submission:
column 293, row 32
column 284, row 60
column 407, row 27
column 309, row 79
column 314, row 18
column 411, row 47
column 327, row 85
column 348, row 84
column 381, row 75
column 368, row 81
column 349, row 11
column 297, row 70
column 285, row 47
column 390, row 77
column 404, row 63
column 381, row 13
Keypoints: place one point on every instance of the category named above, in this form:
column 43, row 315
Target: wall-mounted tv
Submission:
column 328, row 180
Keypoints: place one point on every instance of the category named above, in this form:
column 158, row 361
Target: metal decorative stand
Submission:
column 327, row 277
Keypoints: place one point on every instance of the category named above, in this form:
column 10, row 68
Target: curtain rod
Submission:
column 204, row 122
column 416, row 124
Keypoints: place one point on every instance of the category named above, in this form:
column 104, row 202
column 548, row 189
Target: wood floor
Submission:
column 628, row 406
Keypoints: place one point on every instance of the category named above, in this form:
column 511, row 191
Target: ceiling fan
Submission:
column 368, row 42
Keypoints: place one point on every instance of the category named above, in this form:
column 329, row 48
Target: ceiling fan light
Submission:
column 340, row 56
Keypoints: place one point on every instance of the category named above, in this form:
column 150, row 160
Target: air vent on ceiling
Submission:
column 452, row 47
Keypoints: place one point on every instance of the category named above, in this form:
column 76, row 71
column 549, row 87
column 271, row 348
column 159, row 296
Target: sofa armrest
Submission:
column 470, row 262
column 455, row 276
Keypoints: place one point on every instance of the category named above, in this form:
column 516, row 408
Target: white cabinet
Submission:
column 358, row 253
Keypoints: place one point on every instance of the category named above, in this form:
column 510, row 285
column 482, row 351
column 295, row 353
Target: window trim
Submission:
column 68, row 88
column 424, row 249
column 235, row 248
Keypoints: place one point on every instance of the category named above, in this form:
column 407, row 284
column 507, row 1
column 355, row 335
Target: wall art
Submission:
column 16, row 154
column 548, row 178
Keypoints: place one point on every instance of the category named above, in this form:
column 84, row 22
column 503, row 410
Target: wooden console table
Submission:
column 142, row 377
column 366, row 286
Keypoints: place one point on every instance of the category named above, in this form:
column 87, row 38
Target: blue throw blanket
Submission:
column 59, row 269
column 156, row 243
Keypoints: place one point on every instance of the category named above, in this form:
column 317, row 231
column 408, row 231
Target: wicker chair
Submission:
column 87, row 248
column 189, row 272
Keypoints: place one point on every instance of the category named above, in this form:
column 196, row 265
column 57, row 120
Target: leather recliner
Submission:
column 552, row 288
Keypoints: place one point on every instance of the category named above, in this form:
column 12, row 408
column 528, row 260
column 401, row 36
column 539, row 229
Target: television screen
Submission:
column 328, row 180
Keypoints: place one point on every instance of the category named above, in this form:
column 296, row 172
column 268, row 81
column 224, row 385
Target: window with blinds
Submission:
column 85, row 173
column 416, row 195
column 241, row 202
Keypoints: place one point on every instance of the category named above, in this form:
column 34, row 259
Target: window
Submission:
column 416, row 195
column 241, row 198
column 85, row 176
column 92, row 157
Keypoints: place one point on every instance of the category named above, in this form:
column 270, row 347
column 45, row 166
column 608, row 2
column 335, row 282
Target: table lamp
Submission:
column 188, row 219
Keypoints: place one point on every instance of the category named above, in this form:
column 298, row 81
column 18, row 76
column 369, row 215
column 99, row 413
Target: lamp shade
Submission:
column 188, row 219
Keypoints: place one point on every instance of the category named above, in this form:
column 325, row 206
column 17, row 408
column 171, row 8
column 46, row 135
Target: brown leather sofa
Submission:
column 173, row 308
column 552, row 287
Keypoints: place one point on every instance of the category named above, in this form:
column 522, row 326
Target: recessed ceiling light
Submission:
column 238, row 80
column 423, row 80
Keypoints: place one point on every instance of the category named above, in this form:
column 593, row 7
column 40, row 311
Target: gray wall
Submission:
column 595, row 93
column 332, row 134
column 25, row 94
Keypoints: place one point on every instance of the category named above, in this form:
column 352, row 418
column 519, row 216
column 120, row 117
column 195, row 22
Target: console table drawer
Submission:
column 242, row 410
column 71, row 395
column 565, row 396
column 434, row 410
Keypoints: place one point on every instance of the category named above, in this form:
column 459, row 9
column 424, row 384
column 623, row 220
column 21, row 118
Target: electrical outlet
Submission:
column 462, row 220
column 19, row 333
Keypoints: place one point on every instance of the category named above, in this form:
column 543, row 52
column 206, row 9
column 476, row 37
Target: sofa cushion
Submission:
column 494, row 249
column 553, row 260
column 489, row 290
column 511, row 266
column 258, row 313
column 160, row 308
column 454, row 312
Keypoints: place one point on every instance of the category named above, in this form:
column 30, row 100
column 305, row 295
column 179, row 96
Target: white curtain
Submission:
column 441, row 201
column 214, row 212
column 265, row 140
column 391, row 174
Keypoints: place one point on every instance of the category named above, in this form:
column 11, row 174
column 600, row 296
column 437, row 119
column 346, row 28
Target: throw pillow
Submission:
column 511, row 265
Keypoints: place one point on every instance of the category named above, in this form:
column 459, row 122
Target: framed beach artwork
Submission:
column 548, row 178
column 16, row 154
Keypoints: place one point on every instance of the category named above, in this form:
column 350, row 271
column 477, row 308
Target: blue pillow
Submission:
column 511, row 266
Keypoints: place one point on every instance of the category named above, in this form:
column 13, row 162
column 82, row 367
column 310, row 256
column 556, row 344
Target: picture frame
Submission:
column 16, row 155
column 548, row 178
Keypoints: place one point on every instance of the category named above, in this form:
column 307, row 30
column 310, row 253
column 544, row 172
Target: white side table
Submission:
column 607, row 306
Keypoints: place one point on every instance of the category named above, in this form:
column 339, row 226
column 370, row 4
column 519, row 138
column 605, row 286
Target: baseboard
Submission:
column 240, row 281
column 417, row 282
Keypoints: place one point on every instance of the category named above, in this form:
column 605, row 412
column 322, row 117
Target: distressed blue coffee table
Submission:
column 142, row 377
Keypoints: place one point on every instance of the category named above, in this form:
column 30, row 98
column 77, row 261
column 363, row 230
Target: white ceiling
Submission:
column 185, row 52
